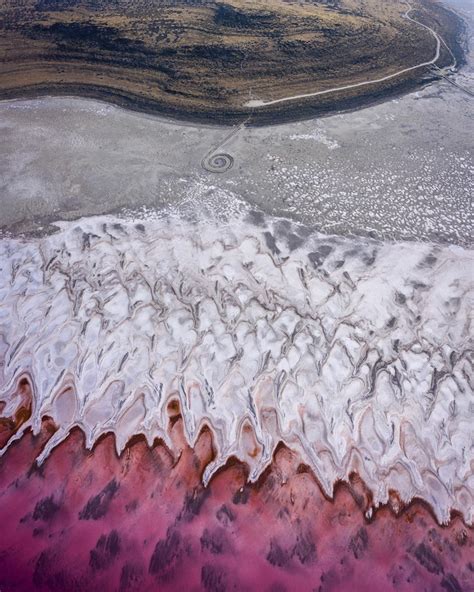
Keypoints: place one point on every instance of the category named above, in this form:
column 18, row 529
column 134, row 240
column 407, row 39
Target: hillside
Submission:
column 205, row 60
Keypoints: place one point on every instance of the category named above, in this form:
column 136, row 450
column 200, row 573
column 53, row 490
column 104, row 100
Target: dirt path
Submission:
column 259, row 103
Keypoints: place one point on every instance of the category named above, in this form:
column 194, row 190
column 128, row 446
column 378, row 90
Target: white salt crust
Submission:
column 354, row 353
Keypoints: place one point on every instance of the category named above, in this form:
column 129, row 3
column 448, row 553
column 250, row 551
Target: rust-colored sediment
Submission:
column 10, row 425
column 87, row 520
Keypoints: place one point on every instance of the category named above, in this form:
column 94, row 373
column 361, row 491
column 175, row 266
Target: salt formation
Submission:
column 354, row 353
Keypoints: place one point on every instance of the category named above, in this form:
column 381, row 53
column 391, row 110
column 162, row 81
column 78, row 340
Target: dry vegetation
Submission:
column 206, row 59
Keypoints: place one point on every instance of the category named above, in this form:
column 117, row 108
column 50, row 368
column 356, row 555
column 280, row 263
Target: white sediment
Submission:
column 354, row 353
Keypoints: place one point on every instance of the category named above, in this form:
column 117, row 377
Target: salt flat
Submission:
column 402, row 169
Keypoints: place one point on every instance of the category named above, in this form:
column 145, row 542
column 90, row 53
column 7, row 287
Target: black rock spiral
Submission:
column 217, row 163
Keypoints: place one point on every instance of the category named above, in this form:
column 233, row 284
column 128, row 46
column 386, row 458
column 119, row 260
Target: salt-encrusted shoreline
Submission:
column 354, row 353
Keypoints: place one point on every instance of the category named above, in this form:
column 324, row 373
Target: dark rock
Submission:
column 213, row 579
column 98, row 506
column 215, row 541
column 255, row 217
column 294, row 241
column 241, row 496
column 450, row 583
column 45, row 509
column 400, row 298
column 225, row 515
column 228, row 16
column 271, row 243
column 428, row 261
column 193, row 503
column 428, row 559
column 131, row 577
column 47, row 577
column 42, row 569
column 305, row 549
column 105, row 552
column 167, row 554
column 277, row 555
column 359, row 543
column 317, row 257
